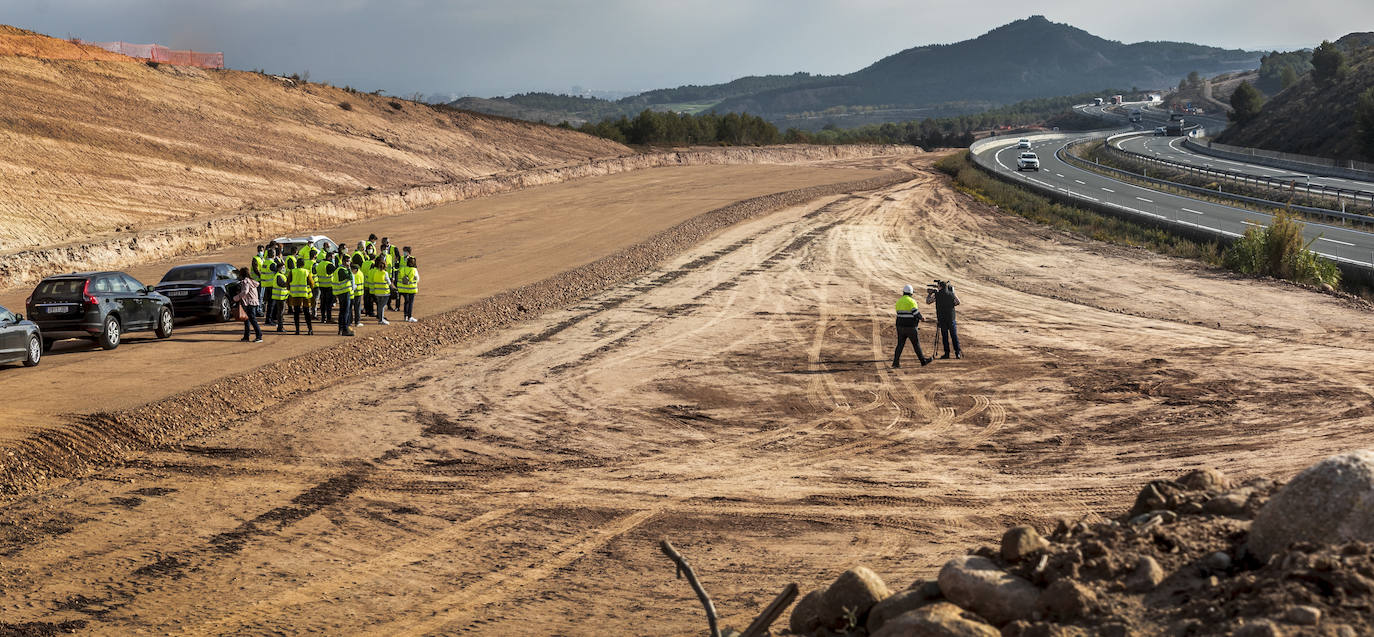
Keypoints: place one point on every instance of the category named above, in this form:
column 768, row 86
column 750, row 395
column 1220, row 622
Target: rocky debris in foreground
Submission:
column 1199, row 555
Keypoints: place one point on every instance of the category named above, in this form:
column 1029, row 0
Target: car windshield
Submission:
column 189, row 274
column 61, row 287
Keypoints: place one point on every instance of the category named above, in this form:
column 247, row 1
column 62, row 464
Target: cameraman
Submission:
column 942, row 295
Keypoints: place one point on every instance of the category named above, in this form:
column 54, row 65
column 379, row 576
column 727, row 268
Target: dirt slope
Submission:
column 738, row 401
column 95, row 147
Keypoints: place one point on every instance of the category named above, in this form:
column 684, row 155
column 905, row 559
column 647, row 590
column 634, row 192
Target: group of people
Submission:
column 331, row 286
column 941, row 294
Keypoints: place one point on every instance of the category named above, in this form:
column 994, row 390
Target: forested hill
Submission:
column 1026, row 59
column 1321, row 113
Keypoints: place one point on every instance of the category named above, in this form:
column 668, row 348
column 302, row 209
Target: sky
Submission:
column 499, row 47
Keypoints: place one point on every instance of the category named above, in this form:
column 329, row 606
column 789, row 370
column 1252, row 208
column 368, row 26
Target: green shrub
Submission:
column 1278, row 251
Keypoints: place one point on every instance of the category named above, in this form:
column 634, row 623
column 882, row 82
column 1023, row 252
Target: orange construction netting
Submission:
column 158, row 53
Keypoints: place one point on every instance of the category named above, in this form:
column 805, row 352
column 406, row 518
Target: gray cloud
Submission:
column 493, row 47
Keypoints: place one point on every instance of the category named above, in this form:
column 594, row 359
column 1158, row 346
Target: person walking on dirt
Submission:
column 280, row 292
column 257, row 272
column 248, row 298
column 908, row 317
column 408, row 284
column 945, row 299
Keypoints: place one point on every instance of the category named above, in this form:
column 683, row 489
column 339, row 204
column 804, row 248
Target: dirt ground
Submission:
column 738, row 401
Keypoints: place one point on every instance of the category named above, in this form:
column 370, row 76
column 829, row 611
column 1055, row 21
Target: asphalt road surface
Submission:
column 1172, row 149
column 1331, row 241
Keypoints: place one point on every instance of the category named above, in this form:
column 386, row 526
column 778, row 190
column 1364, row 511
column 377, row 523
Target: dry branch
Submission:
column 683, row 567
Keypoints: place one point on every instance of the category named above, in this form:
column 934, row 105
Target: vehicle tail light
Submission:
column 86, row 294
column 207, row 290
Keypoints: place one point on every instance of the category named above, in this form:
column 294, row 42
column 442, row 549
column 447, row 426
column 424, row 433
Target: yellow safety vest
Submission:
column 376, row 282
column 357, row 283
column 343, row 282
column 408, row 282
column 279, row 287
column 300, row 283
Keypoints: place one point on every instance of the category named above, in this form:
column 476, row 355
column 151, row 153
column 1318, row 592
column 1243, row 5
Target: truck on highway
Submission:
column 1116, row 99
column 1174, row 129
column 1135, row 115
column 1097, row 101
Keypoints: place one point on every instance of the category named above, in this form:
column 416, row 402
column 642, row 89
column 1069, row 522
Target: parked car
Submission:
column 20, row 339
column 1023, row 143
column 291, row 245
column 102, row 306
column 199, row 290
column 1027, row 161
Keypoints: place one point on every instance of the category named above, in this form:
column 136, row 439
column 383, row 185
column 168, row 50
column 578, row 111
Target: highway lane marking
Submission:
column 1058, row 175
column 1190, row 210
column 1145, row 200
column 1335, row 241
column 1082, row 182
column 1109, row 190
column 1251, row 223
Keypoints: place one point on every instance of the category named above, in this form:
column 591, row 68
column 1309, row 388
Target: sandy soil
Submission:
column 738, row 401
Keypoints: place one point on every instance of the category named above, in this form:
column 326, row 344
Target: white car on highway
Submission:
column 1025, row 143
column 1027, row 161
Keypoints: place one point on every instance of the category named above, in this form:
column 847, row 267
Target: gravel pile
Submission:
column 100, row 438
column 1198, row 555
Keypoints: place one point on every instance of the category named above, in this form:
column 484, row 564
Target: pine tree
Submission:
column 1328, row 64
column 1288, row 77
column 1247, row 101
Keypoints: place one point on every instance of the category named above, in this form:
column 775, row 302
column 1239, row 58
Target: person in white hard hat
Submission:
column 908, row 317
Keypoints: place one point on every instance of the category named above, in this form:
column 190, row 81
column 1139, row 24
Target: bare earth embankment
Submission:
column 737, row 400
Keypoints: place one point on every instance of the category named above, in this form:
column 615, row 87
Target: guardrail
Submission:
column 1354, row 268
column 1353, row 170
column 1070, row 158
column 1341, row 195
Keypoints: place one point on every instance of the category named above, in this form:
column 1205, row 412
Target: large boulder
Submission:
column 1330, row 502
column 854, row 591
column 1067, row 600
column 900, row 604
column 806, row 617
column 1205, row 480
column 976, row 583
column 939, row 619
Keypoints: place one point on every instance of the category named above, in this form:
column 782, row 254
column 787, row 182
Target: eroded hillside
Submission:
column 94, row 146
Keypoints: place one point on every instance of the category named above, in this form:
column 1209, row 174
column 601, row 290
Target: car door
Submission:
column 129, row 305
column 147, row 304
column 12, row 345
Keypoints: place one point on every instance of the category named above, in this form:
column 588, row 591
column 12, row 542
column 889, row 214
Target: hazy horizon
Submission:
column 470, row 48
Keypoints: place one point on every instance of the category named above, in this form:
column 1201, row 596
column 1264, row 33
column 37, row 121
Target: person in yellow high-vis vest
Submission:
column 258, row 273
column 341, row 283
column 302, row 282
column 379, row 287
column 280, row 293
column 267, row 279
column 908, row 317
column 324, row 276
column 359, row 291
column 408, row 285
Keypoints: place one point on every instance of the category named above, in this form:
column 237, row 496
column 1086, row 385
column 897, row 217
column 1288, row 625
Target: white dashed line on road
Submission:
column 1335, row 241
column 1190, row 210
column 1081, row 182
column 1145, row 200
column 1109, row 190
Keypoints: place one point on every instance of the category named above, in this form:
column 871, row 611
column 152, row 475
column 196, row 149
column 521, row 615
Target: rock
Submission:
column 940, row 619
column 1158, row 495
column 1067, row 600
column 1226, row 504
column 1146, row 575
column 977, row 584
column 1303, row 615
column 1258, row 628
column 806, row 614
column 900, row 603
column 1045, row 629
column 1341, row 630
column 1205, row 480
column 854, row 591
column 1217, row 562
column 929, row 587
column 1021, row 541
column 1330, row 502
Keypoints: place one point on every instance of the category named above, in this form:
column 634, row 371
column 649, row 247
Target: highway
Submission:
column 1055, row 175
column 1172, row 149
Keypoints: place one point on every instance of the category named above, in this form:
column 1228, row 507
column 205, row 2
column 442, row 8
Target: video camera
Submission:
column 935, row 286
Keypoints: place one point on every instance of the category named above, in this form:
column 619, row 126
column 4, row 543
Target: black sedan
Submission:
column 20, row 340
column 98, row 305
column 199, row 289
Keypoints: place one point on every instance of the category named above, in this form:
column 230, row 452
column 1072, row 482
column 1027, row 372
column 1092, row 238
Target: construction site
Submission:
column 614, row 347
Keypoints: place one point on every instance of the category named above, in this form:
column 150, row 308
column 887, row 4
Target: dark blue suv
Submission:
column 102, row 306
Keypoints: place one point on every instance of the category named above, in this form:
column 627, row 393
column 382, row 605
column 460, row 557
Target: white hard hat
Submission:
column 907, row 289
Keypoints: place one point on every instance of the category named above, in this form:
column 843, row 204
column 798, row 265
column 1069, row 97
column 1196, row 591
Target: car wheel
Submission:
column 109, row 339
column 164, row 323
column 35, row 351
column 226, row 311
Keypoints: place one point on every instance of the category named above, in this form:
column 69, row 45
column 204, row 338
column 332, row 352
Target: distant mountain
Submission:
column 1026, row 59
column 1309, row 119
